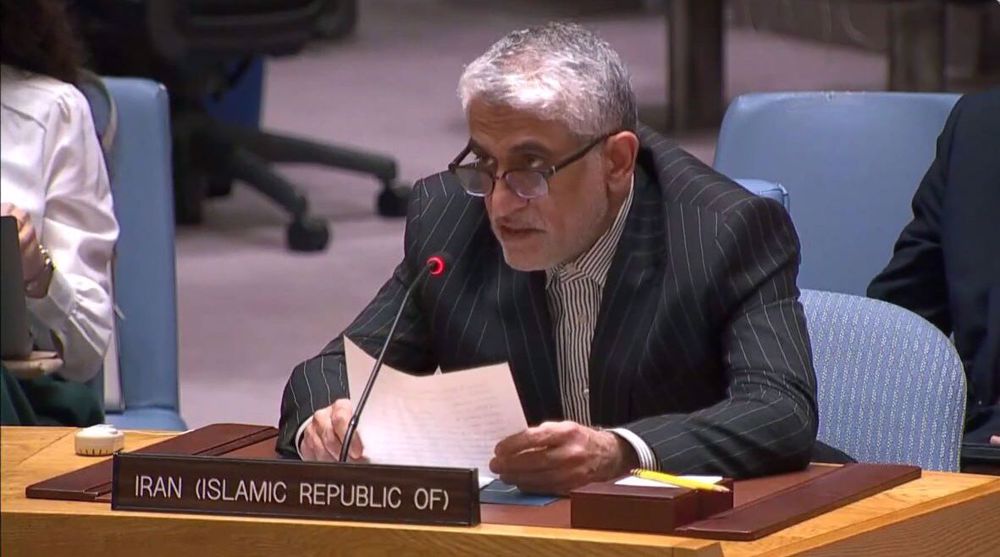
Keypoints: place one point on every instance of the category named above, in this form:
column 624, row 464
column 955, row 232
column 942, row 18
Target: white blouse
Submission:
column 52, row 167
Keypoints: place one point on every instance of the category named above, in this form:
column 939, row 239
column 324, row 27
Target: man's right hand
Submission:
column 324, row 436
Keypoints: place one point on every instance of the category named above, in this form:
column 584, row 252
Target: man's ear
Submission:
column 620, row 152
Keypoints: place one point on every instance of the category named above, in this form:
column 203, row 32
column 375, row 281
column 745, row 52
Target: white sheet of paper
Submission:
column 643, row 482
column 445, row 419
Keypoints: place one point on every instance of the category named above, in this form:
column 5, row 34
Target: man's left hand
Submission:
column 556, row 457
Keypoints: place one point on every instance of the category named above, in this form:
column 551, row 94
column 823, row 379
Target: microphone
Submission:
column 435, row 266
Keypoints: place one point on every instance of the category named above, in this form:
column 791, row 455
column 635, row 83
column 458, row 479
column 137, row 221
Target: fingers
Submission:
column 524, row 461
column 26, row 236
column 545, row 435
column 995, row 440
column 312, row 446
column 16, row 212
column 342, row 411
column 25, row 231
column 565, row 456
column 323, row 437
column 559, row 480
column 550, row 458
column 556, row 457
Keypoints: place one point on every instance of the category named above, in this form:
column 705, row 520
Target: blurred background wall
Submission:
column 249, row 309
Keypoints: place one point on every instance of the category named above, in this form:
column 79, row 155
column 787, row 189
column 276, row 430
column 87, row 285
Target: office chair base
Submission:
column 392, row 201
column 339, row 19
column 189, row 185
column 308, row 234
column 305, row 233
column 271, row 147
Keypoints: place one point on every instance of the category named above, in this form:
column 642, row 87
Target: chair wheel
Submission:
column 187, row 211
column 339, row 19
column 392, row 201
column 188, row 200
column 308, row 234
column 189, row 193
column 219, row 185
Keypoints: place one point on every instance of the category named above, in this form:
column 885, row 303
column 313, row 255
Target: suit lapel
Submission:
column 527, row 330
column 628, row 304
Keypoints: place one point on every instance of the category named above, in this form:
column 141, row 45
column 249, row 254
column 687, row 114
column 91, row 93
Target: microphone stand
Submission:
column 439, row 266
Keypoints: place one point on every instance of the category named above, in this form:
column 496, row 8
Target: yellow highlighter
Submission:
column 678, row 480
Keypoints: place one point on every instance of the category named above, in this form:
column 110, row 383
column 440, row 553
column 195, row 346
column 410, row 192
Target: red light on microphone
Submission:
column 437, row 265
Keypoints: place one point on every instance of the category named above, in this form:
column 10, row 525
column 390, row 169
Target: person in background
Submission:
column 55, row 183
column 946, row 264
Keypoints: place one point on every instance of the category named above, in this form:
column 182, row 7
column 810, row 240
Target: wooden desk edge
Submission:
column 829, row 540
column 483, row 539
column 554, row 538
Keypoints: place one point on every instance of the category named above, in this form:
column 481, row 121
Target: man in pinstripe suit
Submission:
column 646, row 304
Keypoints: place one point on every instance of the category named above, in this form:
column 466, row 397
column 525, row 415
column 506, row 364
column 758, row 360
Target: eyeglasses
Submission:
column 527, row 183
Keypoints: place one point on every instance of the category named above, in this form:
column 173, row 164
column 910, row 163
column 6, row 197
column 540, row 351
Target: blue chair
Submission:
column 851, row 160
column 144, row 277
column 891, row 385
column 766, row 189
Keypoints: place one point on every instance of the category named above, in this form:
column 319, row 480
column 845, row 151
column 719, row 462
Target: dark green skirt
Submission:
column 47, row 400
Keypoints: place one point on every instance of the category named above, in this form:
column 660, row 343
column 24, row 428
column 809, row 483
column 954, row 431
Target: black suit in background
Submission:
column 946, row 263
column 700, row 347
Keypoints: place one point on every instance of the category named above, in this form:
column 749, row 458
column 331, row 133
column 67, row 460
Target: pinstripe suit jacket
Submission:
column 700, row 347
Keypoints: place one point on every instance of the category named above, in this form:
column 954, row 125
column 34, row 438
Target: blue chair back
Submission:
column 851, row 160
column 763, row 188
column 145, row 289
column 891, row 385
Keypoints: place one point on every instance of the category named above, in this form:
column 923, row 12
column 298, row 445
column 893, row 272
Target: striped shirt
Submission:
column 573, row 293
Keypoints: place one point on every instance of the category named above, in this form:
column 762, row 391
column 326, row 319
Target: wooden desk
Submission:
column 939, row 514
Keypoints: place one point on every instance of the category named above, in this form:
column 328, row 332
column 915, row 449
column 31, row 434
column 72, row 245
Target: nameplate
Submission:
column 295, row 489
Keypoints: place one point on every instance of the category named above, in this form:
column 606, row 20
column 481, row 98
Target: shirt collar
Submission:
column 594, row 263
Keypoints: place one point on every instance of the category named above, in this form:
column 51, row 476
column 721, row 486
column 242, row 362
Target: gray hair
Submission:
column 560, row 71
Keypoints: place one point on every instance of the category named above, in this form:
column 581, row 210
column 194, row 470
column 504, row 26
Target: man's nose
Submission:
column 503, row 201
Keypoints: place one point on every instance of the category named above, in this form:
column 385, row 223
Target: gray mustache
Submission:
column 518, row 225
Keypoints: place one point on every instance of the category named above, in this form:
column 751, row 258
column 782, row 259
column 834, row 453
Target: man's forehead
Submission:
column 508, row 129
column 515, row 144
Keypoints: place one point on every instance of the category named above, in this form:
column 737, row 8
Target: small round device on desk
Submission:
column 99, row 440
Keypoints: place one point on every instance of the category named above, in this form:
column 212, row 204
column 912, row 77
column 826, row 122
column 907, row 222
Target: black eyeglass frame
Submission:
column 545, row 173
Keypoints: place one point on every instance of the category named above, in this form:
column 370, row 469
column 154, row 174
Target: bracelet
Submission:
column 31, row 286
